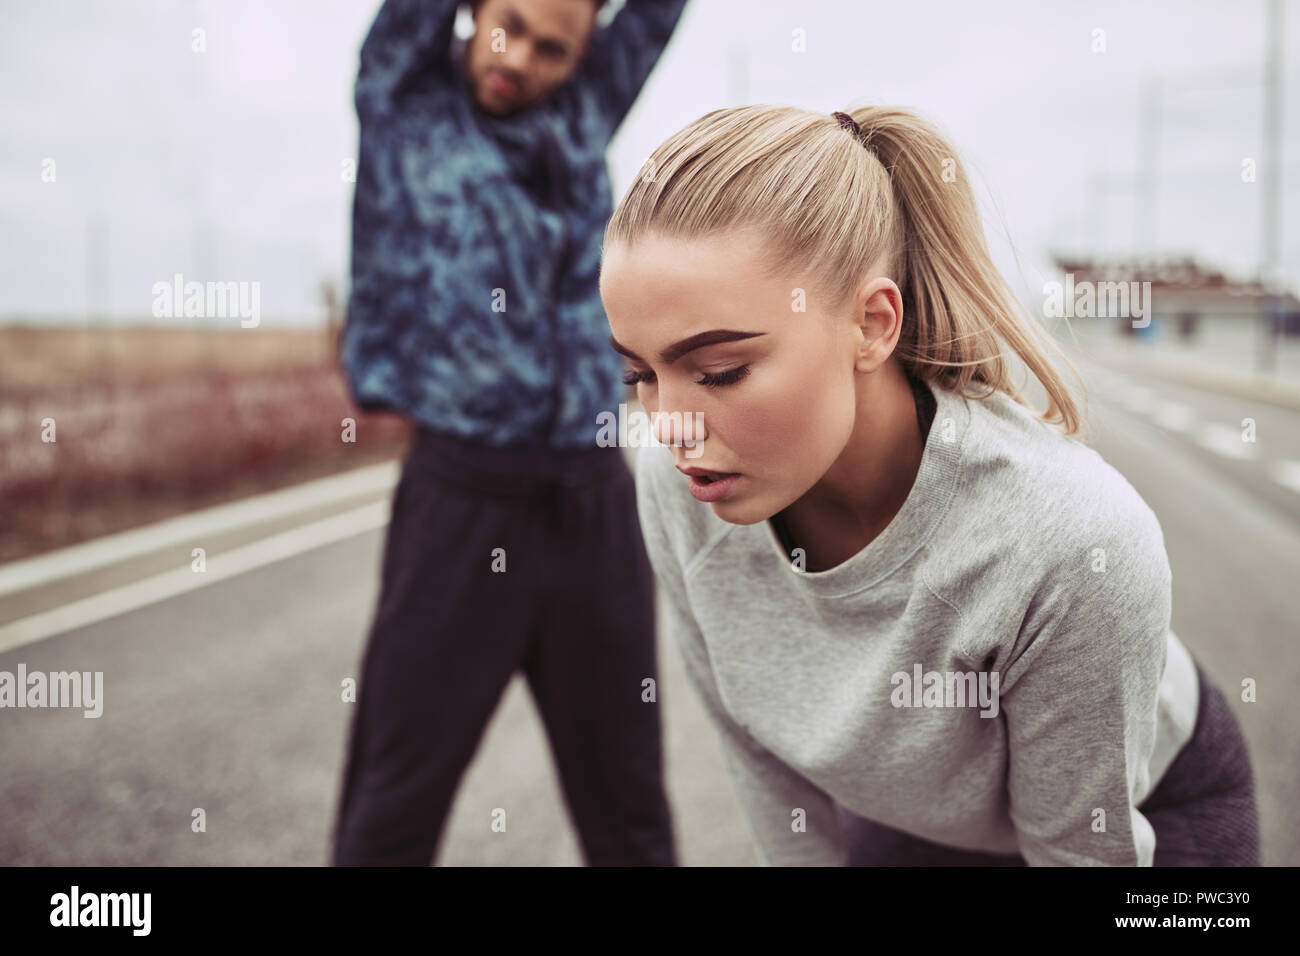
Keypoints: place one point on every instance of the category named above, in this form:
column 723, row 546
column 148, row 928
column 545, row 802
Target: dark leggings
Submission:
column 573, row 610
column 1202, row 811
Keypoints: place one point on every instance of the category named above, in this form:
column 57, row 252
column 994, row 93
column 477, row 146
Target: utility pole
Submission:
column 1149, row 120
column 738, row 75
column 97, row 268
column 1270, row 192
column 100, row 334
column 1097, row 207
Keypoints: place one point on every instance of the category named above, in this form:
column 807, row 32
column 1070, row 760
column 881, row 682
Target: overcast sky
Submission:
column 226, row 164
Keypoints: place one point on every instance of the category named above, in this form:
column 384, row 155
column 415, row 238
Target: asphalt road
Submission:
column 228, row 698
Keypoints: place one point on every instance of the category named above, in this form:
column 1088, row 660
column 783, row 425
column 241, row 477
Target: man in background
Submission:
column 481, row 200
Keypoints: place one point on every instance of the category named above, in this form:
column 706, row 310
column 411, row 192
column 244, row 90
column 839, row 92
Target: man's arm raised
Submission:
column 622, row 54
column 409, row 39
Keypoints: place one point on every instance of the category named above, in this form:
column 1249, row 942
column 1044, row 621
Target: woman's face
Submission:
column 777, row 406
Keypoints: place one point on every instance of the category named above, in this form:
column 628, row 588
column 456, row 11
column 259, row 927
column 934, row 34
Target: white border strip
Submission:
column 110, row 549
column 160, row 587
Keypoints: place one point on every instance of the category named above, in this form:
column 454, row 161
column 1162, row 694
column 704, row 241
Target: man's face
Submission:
column 523, row 50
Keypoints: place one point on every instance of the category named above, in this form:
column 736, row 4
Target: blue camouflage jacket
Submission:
column 474, row 305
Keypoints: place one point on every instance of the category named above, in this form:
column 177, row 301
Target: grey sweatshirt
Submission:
column 995, row 671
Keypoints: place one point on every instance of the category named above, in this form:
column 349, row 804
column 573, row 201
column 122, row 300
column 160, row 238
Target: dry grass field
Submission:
column 150, row 422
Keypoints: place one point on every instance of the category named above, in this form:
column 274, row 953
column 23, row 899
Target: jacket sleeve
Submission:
column 768, row 790
column 1080, row 703
column 410, row 40
column 621, row 55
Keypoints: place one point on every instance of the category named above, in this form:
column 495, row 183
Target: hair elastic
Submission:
column 849, row 123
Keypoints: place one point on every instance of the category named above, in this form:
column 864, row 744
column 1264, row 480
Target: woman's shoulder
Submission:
column 1047, row 494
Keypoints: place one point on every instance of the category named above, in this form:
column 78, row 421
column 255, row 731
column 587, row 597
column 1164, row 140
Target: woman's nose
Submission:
column 678, row 427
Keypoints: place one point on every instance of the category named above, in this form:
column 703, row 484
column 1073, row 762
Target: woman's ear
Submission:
column 880, row 321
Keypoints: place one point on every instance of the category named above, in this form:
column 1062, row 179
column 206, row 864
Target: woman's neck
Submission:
column 867, row 485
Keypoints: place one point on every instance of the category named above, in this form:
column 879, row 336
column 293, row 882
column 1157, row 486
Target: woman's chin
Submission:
column 742, row 512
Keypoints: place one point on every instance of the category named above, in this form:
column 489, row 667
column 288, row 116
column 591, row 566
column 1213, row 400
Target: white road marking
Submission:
column 1179, row 417
column 1287, row 473
column 1225, row 440
column 168, row 584
column 1174, row 416
column 1109, row 391
column 1139, row 398
column 193, row 527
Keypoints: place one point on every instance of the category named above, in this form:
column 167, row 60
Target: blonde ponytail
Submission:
column 829, row 207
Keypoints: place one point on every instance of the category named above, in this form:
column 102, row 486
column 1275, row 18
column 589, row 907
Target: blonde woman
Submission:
column 930, row 626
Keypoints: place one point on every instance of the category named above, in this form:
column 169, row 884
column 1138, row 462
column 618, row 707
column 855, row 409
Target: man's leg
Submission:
column 586, row 669
column 448, row 634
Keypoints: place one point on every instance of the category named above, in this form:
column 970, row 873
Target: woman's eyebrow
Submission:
column 675, row 351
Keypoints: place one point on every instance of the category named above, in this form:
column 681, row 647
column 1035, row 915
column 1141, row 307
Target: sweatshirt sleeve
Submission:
column 409, row 40
column 621, row 55
column 1080, row 702
column 768, row 790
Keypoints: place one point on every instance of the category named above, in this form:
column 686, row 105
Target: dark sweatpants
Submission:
column 1202, row 810
column 574, row 609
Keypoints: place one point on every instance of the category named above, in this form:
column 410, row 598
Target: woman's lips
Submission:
column 711, row 486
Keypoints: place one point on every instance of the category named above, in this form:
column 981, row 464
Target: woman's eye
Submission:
column 729, row 377
column 709, row 379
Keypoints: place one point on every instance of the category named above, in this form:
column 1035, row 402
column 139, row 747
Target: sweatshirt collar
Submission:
column 931, row 493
